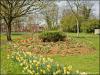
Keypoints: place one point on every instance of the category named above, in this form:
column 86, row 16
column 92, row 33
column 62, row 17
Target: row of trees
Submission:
column 79, row 19
column 75, row 18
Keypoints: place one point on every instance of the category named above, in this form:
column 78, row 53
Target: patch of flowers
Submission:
column 40, row 65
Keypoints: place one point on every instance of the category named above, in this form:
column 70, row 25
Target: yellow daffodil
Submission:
column 58, row 71
column 29, row 71
column 49, row 59
column 38, row 62
column 30, row 66
column 30, row 61
column 34, row 61
column 21, row 58
column 77, row 71
column 29, row 53
column 37, row 68
column 37, row 65
column 58, row 65
column 48, row 66
column 21, row 64
column 48, row 69
column 41, row 70
column 69, row 67
column 8, row 56
column 54, row 73
column 83, row 73
column 25, row 67
column 17, row 58
column 44, row 59
column 65, row 70
column 44, row 72
column 68, row 72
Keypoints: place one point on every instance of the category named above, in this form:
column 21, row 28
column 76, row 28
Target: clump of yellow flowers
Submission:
column 40, row 65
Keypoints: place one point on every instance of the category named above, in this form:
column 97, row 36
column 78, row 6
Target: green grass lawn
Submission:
column 88, row 63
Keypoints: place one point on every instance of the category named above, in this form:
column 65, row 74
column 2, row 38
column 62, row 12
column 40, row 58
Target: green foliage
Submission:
column 67, row 23
column 52, row 36
column 90, row 25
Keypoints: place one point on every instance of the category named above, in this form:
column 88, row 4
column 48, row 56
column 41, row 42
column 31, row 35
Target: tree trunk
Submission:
column 77, row 28
column 9, row 32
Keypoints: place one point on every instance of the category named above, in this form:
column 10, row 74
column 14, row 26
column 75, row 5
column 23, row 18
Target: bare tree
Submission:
column 76, row 14
column 11, row 9
column 86, row 9
column 83, row 8
column 50, row 14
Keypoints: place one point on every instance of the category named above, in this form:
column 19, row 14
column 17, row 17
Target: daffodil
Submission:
column 29, row 53
column 37, row 68
column 48, row 66
column 30, row 66
column 83, row 73
column 30, row 61
column 34, row 61
column 38, row 62
column 77, row 71
column 54, row 73
column 29, row 71
column 44, row 72
column 44, row 59
column 65, row 70
column 21, row 64
column 37, row 65
column 48, row 69
column 41, row 70
column 49, row 59
column 58, row 65
column 58, row 71
column 8, row 56
column 69, row 67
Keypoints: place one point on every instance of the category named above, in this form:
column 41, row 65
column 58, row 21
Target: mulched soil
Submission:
column 66, row 48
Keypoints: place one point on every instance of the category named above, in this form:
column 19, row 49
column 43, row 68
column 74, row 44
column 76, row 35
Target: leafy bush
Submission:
column 90, row 25
column 68, row 23
column 52, row 36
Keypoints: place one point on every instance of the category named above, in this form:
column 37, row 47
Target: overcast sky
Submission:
column 95, row 9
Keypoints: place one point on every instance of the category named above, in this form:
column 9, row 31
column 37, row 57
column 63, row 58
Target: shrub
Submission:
column 52, row 36
column 90, row 25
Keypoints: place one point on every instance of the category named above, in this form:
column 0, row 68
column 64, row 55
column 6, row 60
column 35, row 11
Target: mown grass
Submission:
column 88, row 63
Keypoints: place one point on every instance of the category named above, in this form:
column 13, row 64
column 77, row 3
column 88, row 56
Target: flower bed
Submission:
column 67, row 47
column 39, row 65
